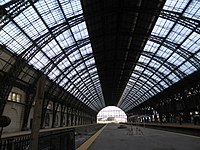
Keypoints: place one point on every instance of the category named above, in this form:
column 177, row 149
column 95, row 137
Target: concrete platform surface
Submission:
column 113, row 138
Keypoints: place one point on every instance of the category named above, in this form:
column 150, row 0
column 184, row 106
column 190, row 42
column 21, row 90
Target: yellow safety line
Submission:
column 87, row 144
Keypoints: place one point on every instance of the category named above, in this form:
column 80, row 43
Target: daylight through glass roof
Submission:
column 52, row 36
column 171, row 53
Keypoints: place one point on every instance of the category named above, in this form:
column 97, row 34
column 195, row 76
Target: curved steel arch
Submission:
column 190, row 23
column 136, row 83
column 163, row 62
column 69, row 50
column 151, row 80
column 158, row 73
column 176, row 48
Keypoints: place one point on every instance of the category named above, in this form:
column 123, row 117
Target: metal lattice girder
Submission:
column 157, row 73
column 190, row 23
column 68, row 70
column 41, row 41
column 165, row 63
column 129, row 96
column 12, row 9
column 148, row 78
column 177, row 49
column 62, row 55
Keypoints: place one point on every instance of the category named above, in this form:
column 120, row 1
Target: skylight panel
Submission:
column 71, row 7
column 193, row 11
column 144, row 59
column 80, row 67
column 198, row 55
column 162, row 27
column 78, row 81
column 65, row 39
column 94, row 70
column 173, row 77
column 154, row 64
column 163, row 84
column 175, row 5
column 164, row 52
column 52, row 49
column 30, row 22
column 155, row 77
column 188, row 68
column 90, row 61
column 76, row 6
column 39, row 60
column 164, row 70
column 151, row 46
column 139, row 68
column 176, row 59
column 80, row 31
column 192, row 43
column 50, row 12
column 2, row 2
column 156, row 89
column 178, row 34
column 65, row 62
column 16, row 42
column 87, row 49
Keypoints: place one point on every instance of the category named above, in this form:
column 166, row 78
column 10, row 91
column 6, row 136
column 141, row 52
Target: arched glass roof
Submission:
column 171, row 53
column 52, row 36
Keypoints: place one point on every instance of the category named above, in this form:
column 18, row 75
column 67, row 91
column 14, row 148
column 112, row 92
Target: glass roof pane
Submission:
column 178, row 34
column 193, row 11
column 154, row 64
column 71, row 7
column 80, row 31
column 2, row 2
column 162, row 27
column 151, row 47
column 51, row 49
column 188, row 68
column 65, row 39
column 14, row 39
column 144, row 59
column 192, row 43
column 86, row 49
column 50, row 12
column 176, row 59
column 39, row 60
column 31, row 23
column 164, row 52
column 175, row 5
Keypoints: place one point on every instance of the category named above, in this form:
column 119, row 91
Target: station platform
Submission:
column 139, row 138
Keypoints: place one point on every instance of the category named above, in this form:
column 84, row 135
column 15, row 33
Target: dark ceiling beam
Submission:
column 107, row 38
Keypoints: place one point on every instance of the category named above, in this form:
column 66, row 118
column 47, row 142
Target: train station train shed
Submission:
column 142, row 56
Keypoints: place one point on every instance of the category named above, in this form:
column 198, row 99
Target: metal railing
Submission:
column 48, row 140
